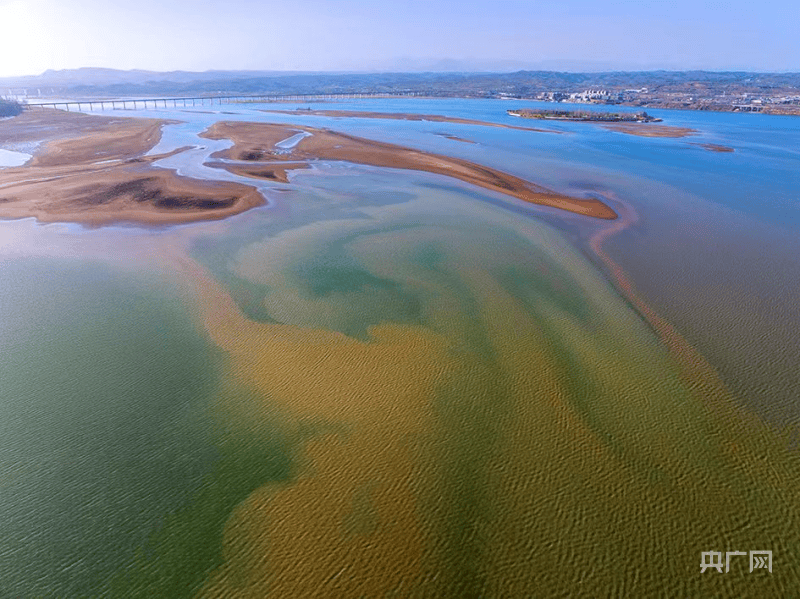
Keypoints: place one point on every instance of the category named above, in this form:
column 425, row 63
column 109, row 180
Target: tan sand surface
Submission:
column 713, row 147
column 649, row 129
column 403, row 116
column 456, row 138
column 70, row 138
column 255, row 141
column 271, row 172
column 92, row 170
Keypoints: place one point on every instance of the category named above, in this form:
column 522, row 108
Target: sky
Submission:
column 375, row 35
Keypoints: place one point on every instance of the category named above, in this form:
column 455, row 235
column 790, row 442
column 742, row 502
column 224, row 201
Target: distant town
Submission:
column 772, row 93
column 645, row 97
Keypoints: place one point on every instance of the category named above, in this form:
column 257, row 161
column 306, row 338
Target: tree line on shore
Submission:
column 581, row 115
column 9, row 107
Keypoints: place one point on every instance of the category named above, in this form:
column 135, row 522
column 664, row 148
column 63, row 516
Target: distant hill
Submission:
column 90, row 77
column 109, row 82
column 702, row 90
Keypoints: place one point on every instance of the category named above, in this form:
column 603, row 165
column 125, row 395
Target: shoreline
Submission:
column 713, row 147
column 694, row 368
column 405, row 116
column 267, row 171
column 582, row 116
column 256, row 141
column 648, row 130
column 94, row 171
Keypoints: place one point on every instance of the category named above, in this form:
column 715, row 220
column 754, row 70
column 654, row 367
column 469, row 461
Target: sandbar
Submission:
column 713, row 147
column 648, row 129
column 69, row 138
column 404, row 116
column 456, row 138
column 270, row 172
column 256, row 142
column 92, row 170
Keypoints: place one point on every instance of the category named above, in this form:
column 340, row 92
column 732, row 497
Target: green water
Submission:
column 117, row 471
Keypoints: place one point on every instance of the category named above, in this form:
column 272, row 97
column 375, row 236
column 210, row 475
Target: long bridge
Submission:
column 135, row 103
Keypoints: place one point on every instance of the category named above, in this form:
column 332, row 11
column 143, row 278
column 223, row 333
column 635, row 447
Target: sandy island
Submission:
column 91, row 170
column 456, row 138
column 648, row 129
column 256, row 142
column 713, row 147
column 270, row 172
column 403, row 116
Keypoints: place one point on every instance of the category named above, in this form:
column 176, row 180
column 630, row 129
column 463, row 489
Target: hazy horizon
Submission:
column 413, row 36
column 421, row 70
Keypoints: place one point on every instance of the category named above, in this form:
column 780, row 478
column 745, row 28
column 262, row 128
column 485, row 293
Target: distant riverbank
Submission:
column 639, row 123
column 583, row 115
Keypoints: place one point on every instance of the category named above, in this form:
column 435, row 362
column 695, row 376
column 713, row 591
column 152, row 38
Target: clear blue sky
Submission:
column 36, row 35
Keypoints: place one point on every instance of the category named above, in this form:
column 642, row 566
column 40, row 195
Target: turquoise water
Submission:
column 124, row 445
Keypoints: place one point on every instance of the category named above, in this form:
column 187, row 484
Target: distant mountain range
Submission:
column 691, row 85
column 100, row 77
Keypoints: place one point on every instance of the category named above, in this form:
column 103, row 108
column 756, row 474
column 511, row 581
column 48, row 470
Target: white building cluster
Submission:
column 589, row 96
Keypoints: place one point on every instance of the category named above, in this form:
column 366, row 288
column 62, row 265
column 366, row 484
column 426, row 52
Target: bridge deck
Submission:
column 124, row 103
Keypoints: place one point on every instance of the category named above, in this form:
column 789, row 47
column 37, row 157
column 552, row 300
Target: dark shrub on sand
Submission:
column 9, row 107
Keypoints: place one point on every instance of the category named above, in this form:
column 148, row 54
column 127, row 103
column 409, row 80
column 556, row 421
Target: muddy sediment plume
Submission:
column 531, row 419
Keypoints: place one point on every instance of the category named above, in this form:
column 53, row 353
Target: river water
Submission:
column 436, row 389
